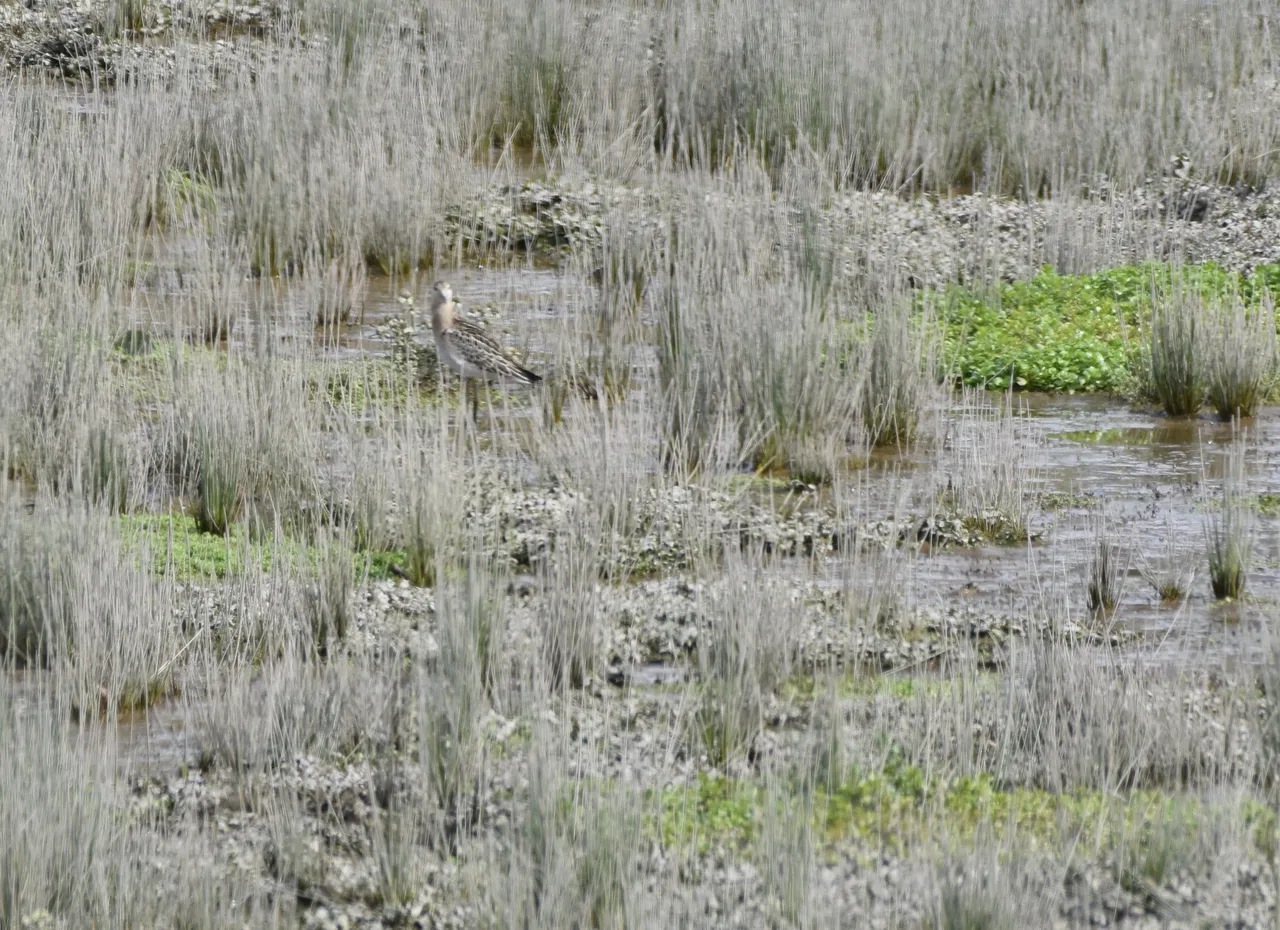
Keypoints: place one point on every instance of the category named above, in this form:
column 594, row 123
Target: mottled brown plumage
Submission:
column 468, row 349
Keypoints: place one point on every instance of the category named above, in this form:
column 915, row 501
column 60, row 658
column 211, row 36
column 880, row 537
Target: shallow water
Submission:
column 531, row 290
column 180, row 272
column 151, row 740
column 1155, row 477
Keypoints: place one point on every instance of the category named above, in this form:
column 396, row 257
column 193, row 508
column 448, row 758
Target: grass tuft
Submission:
column 569, row 606
column 970, row 900
column 988, row 472
column 109, row 477
column 1229, row 533
column 328, row 598
column 1172, row 571
column 1107, row 570
column 897, row 370
column 743, row 656
column 1241, row 356
column 1176, row 351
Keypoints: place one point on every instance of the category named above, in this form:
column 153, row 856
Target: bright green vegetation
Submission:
column 176, row 543
column 1065, row 500
column 805, row 687
column 1267, row 504
column 358, row 385
column 1069, row 332
column 1116, row 436
column 900, row 805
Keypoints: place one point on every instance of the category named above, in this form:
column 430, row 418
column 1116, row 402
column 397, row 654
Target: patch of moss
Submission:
column 1068, row 333
column 379, row 564
column 714, row 811
column 363, row 383
column 900, row 806
column 176, row 543
column 805, row 687
column 996, row 528
column 1264, row 823
column 1267, row 504
column 1065, row 500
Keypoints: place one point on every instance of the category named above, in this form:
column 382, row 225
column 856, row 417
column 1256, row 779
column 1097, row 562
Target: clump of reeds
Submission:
column 289, row 856
column 574, row 858
column 1107, row 569
column 1229, row 532
column 59, row 820
column 1268, row 723
column 1241, row 356
column 787, row 854
column 73, row 603
column 797, row 409
column 1175, row 350
column 974, row 896
column 449, row 703
column 1152, row 850
column 56, row 381
column 481, row 606
column 605, row 835
column 38, row 589
column 1075, row 722
column 222, row 476
column 337, row 287
column 689, row 388
column 1172, row 571
column 108, row 473
column 421, row 529
column 743, row 655
column 989, row 472
column 568, row 616
column 749, row 362
column 239, row 438
column 328, row 596
column 897, row 372
column 428, row 490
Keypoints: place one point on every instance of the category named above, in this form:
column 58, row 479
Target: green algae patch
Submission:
column 357, row 385
column 804, row 688
column 712, row 812
column 1065, row 500
column 1121, row 436
column 1267, row 504
column 1070, row 333
column 1263, row 822
column 899, row 807
column 1169, row 432
column 175, row 544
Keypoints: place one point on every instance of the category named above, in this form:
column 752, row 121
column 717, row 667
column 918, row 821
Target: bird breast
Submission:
column 455, row 359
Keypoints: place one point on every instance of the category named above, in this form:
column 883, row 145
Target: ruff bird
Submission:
column 468, row 349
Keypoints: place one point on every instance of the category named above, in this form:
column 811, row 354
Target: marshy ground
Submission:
column 892, row 542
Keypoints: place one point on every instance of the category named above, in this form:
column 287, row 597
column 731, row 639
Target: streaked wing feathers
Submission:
column 478, row 349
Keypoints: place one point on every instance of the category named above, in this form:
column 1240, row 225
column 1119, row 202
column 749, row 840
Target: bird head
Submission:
column 443, row 291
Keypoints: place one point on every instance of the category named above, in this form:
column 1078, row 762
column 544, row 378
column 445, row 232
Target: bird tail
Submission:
column 528, row 375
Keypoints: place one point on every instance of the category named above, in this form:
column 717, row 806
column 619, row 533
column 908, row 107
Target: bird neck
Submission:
column 441, row 313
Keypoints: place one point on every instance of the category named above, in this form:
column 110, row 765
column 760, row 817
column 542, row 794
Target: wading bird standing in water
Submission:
column 468, row 349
